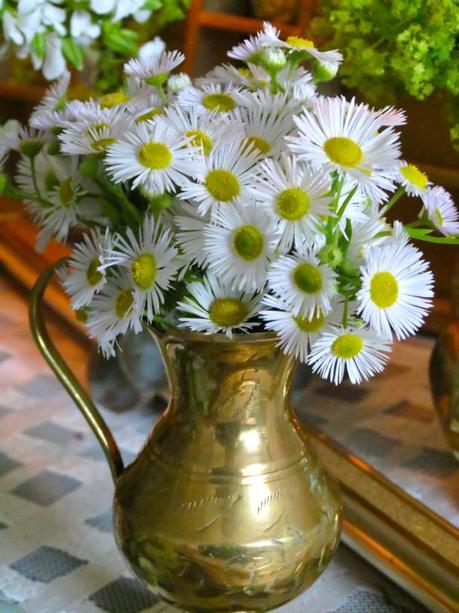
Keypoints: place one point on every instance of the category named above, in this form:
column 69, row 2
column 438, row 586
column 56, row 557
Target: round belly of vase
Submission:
column 220, row 543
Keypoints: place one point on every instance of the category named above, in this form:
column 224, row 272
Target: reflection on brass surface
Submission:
column 444, row 381
column 227, row 507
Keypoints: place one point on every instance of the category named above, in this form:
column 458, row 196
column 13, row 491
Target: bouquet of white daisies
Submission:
column 242, row 202
column 58, row 34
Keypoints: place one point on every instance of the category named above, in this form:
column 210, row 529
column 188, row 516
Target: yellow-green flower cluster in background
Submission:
column 398, row 47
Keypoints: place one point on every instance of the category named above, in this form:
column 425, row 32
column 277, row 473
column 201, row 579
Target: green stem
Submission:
column 345, row 312
column 395, row 198
column 117, row 196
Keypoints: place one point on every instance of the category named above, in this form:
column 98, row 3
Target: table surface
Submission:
column 57, row 553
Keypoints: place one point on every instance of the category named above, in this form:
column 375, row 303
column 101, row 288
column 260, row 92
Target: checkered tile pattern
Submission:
column 57, row 552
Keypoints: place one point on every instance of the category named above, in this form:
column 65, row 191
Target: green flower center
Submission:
column 66, row 192
column 93, row 276
column 228, row 312
column 438, row 217
column 248, row 242
column 156, row 156
column 113, row 99
column 310, row 324
column 143, row 270
column 124, row 302
column 221, row 103
column 223, row 185
column 343, row 151
column 157, row 110
column 308, row 278
column 384, row 289
column 200, row 140
column 414, row 176
column 300, row 43
column 347, row 346
column 256, row 142
column 82, row 314
column 293, row 203
column 31, row 147
column 102, row 143
column 50, row 180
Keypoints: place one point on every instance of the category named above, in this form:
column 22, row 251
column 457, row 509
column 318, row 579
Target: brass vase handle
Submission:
column 65, row 375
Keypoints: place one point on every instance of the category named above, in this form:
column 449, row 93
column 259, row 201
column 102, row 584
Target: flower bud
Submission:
column 177, row 82
column 273, row 59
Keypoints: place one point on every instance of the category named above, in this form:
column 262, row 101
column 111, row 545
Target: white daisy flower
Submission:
column 396, row 291
column 250, row 49
column 94, row 131
column 239, row 245
column 114, row 311
column 151, row 155
column 355, row 351
column 296, row 334
column 441, row 210
column 413, row 180
column 213, row 307
column 151, row 260
column 26, row 140
column 84, row 279
column 297, row 44
column 154, row 68
column 365, row 236
column 211, row 98
column 201, row 131
column 266, row 125
column 303, row 282
column 224, row 176
column 340, row 135
column 296, row 196
column 229, row 74
column 55, row 97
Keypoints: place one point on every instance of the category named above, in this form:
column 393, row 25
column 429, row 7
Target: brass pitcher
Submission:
column 226, row 508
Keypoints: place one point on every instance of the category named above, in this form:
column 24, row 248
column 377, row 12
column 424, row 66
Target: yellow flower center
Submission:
column 308, row 278
column 200, row 139
column 292, row 203
column 82, row 315
column 347, row 346
column 156, row 156
column 245, row 72
column 414, row 176
column 157, row 110
column 223, row 185
column 113, row 99
column 300, row 43
column 248, row 242
column 310, row 324
column 124, row 302
column 93, row 276
column 256, row 142
column 228, row 312
column 66, row 193
column 143, row 270
column 343, row 151
column 384, row 289
column 221, row 103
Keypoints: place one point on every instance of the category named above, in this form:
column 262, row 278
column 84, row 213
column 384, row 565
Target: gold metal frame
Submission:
column 404, row 539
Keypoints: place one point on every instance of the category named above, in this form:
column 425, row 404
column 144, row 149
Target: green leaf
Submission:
column 39, row 45
column 423, row 234
column 72, row 53
column 120, row 40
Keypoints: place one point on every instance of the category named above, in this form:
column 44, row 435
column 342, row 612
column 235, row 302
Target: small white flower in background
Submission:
column 54, row 64
column 354, row 351
column 189, row 235
column 296, row 333
column 151, row 261
column 82, row 29
column 153, row 48
column 85, row 279
column 213, row 307
column 222, row 177
column 238, row 246
column 152, row 156
column 114, row 311
column 296, row 196
column 441, row 210
column 55, row 97
column 303, row 282
column 413, row 180
column 397, row 289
